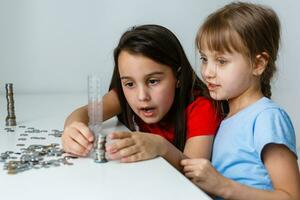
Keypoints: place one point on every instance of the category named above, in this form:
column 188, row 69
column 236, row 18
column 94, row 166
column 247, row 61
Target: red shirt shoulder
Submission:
column 201, row 118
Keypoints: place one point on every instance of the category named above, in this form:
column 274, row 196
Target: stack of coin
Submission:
column 11, row 117
column 100, row 149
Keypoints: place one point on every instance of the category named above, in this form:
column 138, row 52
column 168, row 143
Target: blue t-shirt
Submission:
column 241, row 138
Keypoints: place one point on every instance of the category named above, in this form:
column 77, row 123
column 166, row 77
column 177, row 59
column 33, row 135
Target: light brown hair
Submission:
column 247, row 28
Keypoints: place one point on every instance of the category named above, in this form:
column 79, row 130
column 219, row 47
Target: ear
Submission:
column 260, row 63
column 178, row 84
column 177, row 76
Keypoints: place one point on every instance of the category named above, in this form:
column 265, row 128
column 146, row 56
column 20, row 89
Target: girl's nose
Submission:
column 143, row 94
column 209, row 70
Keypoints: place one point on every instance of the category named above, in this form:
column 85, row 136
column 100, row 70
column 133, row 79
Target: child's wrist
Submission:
column 226, row 190
column 161, row 146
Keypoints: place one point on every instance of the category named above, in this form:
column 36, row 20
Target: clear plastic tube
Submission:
column 95, row 107
column 95, row 112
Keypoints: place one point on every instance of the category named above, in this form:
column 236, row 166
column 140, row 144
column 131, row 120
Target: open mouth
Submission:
column 148, row 111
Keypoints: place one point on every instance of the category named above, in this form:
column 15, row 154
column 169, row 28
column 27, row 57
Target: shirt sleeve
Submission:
column 202, row 118
column 273, row 125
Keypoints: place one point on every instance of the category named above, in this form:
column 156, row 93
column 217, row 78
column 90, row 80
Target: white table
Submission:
column 152, row 179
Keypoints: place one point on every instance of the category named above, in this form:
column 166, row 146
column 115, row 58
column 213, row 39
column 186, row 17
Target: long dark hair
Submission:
column 161, row 45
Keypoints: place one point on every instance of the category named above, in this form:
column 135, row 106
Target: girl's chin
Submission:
column 217, row 97
column 149, row 120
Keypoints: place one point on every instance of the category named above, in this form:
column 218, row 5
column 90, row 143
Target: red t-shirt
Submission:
column 202, row 119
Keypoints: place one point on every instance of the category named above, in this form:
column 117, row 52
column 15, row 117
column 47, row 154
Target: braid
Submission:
column 265, row 81
column 266, row 88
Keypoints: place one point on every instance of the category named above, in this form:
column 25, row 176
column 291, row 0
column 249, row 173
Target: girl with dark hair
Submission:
column 254, row 152
column 153, row 90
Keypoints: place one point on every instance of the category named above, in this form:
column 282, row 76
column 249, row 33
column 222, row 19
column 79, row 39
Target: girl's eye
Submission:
column 203, row 59
column 222, row 61
column 128, row 84
column 153, row 81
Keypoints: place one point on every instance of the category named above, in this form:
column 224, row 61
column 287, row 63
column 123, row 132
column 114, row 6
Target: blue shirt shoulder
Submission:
column 241, row 138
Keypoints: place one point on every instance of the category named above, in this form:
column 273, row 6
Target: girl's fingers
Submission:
column 84, row 130
column 189, row 175
column 133, row 158
column 71, row 146
column 119, row 135
column 195, row 167
column 122, row 153
column 189, row 168
column 194, row 171
column 77, row 139
column 80, row 139
column 128, row 151
column 191, row 161
column 113, row 156
column 115, row 146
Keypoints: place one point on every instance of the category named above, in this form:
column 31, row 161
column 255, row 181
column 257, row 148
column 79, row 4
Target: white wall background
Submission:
column 52, row 45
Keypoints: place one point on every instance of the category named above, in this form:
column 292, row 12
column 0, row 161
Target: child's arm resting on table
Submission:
column 280, row 162
column 136, row 146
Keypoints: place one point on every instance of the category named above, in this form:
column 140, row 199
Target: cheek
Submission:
column 129, row 96
column 236, row 82
column 202, row 69
column 240, row 77
column 165, row 98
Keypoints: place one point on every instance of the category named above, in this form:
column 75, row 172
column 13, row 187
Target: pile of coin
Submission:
column 11, row 117
column 32, row 133
column 99, row 149
column 34, row 157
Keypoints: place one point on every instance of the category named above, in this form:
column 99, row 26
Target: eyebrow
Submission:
column 151, row 74
column 216, row 53
column 201, row 52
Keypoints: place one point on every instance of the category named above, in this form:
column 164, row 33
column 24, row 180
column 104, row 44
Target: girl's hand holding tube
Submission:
column 77, row 139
